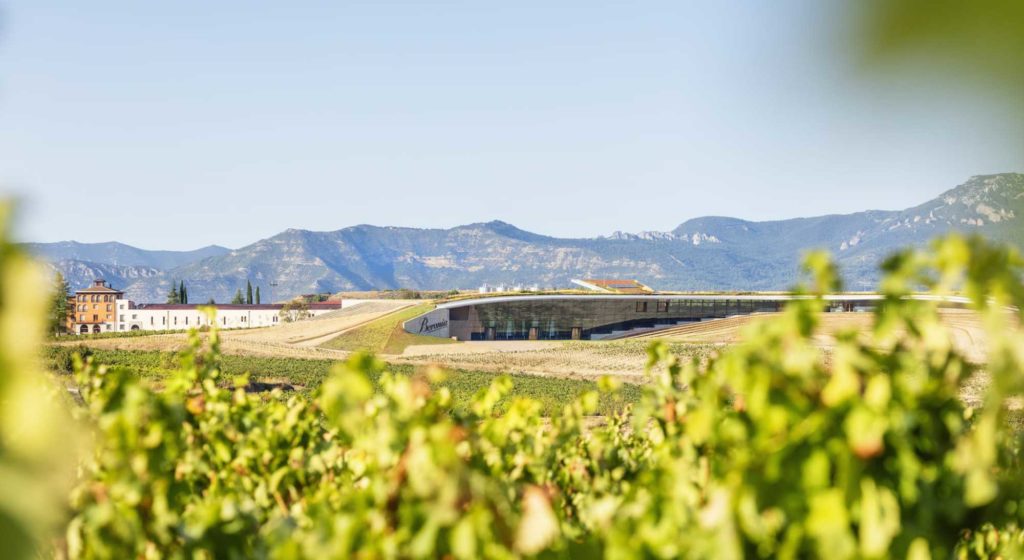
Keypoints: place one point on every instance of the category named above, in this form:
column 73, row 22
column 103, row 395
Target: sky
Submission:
column 174, row 125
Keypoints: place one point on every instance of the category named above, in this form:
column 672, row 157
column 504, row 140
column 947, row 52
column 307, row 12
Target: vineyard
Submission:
column 307, row 375
column 766, row 448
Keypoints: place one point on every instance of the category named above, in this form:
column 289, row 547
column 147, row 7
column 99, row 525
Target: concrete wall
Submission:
column 432, row 323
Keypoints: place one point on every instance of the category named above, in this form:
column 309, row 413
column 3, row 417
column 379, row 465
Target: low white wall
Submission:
column 129, row 317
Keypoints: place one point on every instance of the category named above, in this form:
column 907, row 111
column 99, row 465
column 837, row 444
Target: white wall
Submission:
column 129, row 317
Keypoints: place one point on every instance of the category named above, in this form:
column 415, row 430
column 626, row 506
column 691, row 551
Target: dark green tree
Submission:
column 257, row 295
column 59, row 304
column 211, row 302
column 239, row 298
column 248, row 292
column 183, row 292
column 174, row 296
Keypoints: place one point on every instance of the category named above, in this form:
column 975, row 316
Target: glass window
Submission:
column 641, row 307
column 662, row 307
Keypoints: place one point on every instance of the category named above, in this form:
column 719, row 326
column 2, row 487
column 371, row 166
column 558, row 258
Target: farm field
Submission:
column 964, row 326
column 304, row 375
column 574, row 360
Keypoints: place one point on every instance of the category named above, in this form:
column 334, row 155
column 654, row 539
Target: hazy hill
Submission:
column 702, row 253
column 119, row 254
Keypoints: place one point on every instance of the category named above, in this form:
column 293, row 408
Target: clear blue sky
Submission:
column 225, row 122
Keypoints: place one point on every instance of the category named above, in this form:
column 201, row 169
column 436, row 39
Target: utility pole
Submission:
column 272, row 286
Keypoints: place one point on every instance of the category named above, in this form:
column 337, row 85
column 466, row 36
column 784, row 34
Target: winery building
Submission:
column 604, row 316
column 100, row 308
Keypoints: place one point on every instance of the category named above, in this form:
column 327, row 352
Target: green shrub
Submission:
column 768, row 450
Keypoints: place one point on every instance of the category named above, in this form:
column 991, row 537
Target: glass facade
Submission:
column 584, row 318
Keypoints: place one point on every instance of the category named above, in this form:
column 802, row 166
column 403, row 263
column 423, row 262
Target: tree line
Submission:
column 179, row 295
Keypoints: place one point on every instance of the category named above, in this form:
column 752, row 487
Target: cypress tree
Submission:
column 183, row 291
column 257, row 295
column 59, row 304
column 248, row 292
column 173, row 296
column 238, row 299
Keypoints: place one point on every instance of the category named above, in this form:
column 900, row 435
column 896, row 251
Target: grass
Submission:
column 552, row 393
column 385, row 335
column 111, row 334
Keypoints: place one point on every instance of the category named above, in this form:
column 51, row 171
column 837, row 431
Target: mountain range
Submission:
column 708, row 253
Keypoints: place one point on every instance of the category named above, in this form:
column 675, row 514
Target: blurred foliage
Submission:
column 767, row 450
column 982, row 39
column 37, row 440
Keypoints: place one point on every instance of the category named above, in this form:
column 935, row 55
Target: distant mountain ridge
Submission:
column 114, row 253
column 708, row 253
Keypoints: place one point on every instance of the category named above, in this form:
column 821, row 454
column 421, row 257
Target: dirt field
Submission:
column 576, row 360
column 964, row 326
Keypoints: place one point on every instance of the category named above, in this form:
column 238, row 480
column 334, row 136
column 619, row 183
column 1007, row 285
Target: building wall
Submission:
column 593, row 317
column 92, row 311
column 432, row 323
column 131, row 317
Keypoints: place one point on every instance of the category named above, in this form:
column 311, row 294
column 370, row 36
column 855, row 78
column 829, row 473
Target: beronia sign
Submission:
column 434, row 323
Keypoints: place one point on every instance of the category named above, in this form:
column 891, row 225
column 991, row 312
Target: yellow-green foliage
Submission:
column 767, row 451
column 37, row 441
column 385, row 335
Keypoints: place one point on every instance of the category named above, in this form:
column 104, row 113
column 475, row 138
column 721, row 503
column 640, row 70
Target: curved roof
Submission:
column 677, row 297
